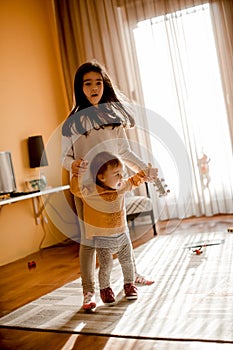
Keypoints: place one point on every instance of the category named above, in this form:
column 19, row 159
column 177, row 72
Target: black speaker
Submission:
column 36, row 151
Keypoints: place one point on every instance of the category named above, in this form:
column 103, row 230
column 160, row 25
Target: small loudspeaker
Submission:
column 36, row 151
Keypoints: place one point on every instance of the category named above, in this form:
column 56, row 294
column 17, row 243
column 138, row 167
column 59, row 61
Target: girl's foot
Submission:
column 142, row 281
column 89, row 301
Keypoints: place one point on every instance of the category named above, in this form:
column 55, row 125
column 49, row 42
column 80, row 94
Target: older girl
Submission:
column 96, row 123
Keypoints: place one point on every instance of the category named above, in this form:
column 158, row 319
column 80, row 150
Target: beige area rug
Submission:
column 191, row 299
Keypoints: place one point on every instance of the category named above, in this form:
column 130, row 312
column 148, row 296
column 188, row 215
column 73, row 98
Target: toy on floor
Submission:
column 197, row 246
column 31, row 264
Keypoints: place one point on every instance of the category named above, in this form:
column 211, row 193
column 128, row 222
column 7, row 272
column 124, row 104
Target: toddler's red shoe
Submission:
column 130, row 291
column 107, row 296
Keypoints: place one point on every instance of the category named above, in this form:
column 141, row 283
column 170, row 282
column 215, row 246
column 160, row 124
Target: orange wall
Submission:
column 32, row 102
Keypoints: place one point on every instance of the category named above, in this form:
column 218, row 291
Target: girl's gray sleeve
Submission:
column 134, row 162
column 67, row 157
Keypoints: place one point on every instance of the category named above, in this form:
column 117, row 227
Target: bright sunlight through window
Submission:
column 181, row 82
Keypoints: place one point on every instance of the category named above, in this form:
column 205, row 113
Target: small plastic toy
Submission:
column 197, row 246
column 161, row 187
column 31, row 264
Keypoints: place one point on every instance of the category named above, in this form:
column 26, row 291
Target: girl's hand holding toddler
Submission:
column 79, row 167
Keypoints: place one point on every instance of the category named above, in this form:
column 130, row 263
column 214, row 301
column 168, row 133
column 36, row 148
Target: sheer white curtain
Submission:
column 186, row 112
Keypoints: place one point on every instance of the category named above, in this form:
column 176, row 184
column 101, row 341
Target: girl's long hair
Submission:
column 113, row 109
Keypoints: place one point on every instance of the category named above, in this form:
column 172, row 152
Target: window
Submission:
column 181, row 82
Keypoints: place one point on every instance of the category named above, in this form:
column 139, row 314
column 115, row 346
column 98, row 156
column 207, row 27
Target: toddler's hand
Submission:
column 152, row 173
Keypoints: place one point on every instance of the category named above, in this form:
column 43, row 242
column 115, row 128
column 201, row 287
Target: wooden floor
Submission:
column 58, row 265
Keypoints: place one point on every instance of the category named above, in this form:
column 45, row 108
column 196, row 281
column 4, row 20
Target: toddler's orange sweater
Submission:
column 104, row 209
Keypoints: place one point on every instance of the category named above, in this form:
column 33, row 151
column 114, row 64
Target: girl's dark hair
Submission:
column 111, row 111
column 101, row 162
